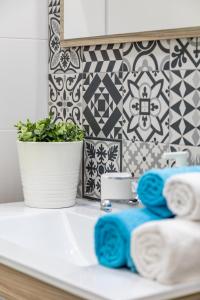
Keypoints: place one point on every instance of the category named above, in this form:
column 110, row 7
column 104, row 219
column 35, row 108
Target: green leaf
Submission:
column 46, row 130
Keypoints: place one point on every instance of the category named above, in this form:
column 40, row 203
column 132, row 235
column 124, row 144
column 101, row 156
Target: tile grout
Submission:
column 23, row 39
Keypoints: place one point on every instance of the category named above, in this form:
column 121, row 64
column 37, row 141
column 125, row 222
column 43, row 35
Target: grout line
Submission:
column 16, row 38
column 8, row 130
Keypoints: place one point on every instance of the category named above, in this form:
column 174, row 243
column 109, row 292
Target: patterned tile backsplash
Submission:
column 100, row 156
column 146, row 106
column 134, row 101
column 102, row 105
column 146, row 56
column 65, row 97
column 103, row 58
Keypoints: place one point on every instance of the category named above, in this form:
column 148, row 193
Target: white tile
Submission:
column 23, row 80
column 24, row 18
column 10, row 182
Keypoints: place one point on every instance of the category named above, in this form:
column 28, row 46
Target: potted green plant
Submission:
column 50, row 157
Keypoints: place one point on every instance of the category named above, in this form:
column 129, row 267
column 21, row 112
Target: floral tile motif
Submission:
column 100, row 156
column 194, row 153
column 61, row 60
column 139, row 157
column 185, row 53
column 185, row 107
column 102, row 58
column 146, row 106
column 146, row 56
column 65, row 101
column 54, row 7
column 102, row 105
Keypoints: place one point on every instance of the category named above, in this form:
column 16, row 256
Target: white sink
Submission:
column 56, row 246
column 59, row 234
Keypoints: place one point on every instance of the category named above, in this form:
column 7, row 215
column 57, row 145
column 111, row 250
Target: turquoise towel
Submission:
column 113, row 234
column 151, row 184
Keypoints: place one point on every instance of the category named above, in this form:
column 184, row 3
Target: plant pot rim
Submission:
column 51, row 143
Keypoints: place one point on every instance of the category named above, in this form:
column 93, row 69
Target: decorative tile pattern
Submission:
column 185, row 108
column 194, row 153
column 100, row 156
column 185, row 53
column 103, row 58
column 61, row 60
column 139, row 157
column 146, row 106
column 146, row 56
column 102, row 105
column 54, row 7
column 99, row 101
column 65, row 97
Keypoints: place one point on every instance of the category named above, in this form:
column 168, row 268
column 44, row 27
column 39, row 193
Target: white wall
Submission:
column 23, row 80
column 144, row 15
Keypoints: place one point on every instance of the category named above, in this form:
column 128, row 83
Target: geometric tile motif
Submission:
column 61, row 60
column 146, row 106
column 100, row 156
column 185, row 53
column 139, row 157
column 65, row 101
column 102, row 105
column 54, row 7
column 185, row 107
column 194, row 153
column 146, row 56
column 102, row 58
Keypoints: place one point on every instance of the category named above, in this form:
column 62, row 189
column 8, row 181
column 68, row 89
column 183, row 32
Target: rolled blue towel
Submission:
column 151, row 185
column 113, row 235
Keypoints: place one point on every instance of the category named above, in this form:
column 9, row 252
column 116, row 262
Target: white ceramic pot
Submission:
column 50, row 173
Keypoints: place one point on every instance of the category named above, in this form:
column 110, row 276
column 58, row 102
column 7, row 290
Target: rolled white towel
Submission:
column 167, row 251
column 182, row 193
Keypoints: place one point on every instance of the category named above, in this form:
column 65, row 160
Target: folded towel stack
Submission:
column 113, row 235
column 182, row 193
column 167, row 251
column 151, row 185
column 158, row 249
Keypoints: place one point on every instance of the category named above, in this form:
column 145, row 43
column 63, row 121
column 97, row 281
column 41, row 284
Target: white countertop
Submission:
column 89, row 282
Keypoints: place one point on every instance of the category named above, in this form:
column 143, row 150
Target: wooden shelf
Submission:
column 15, row 285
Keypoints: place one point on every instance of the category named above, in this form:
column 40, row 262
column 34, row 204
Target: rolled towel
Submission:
column 113, row 234
column 151, row 185
column 182, row 193
column 167, row 250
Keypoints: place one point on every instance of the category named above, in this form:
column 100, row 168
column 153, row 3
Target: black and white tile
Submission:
column 102, row 58
column 54, row 7
column 102, row 105
column 185, row 53
column 62, row 60
column 185, row 107
column 121, row 94
column 100, row 156
column 65, row 97
column 146, row 56
column 146, row 107
column 139, row 157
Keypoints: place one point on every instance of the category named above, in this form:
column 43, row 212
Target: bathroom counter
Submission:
column 32, row 241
